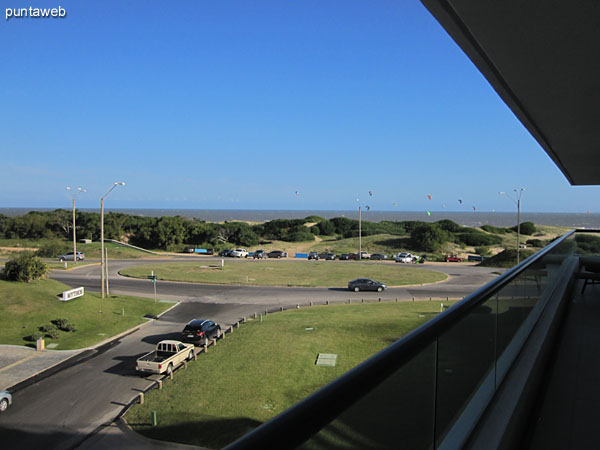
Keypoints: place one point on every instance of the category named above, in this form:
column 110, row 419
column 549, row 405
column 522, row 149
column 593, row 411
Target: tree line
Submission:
column 172, row 232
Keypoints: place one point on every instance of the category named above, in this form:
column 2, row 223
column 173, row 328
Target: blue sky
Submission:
column 239, row 104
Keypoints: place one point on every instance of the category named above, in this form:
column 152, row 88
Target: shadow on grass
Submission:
column 206, row 433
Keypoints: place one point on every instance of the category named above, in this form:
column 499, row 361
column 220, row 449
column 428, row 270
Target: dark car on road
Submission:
column 226, row 252
column 344, row 256
column 259, row 254
column 365, row 284
column 277, row 254
column 313, row 255
column 200, row 331
column 330, row 256
column 378, row 256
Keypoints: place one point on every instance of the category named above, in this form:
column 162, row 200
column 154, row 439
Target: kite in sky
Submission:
column 474, row 209
column 368, row 208
column 429, row 197
column 460, row 201
column 428, row 213
column 395, row 204
column 371, row 193
column 297, row 194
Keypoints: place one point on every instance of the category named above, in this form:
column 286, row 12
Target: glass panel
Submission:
column 396, row 414
column 465, row 375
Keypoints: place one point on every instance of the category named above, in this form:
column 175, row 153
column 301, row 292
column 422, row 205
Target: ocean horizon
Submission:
column 471, row 219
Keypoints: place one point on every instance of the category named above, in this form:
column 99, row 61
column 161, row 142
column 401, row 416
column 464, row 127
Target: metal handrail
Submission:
column 301, row 421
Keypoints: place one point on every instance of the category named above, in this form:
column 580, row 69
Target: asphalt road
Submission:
column 61, row 411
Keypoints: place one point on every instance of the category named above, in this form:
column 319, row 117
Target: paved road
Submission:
column 61, row 411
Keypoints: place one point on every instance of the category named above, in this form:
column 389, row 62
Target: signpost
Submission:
column 152, row 279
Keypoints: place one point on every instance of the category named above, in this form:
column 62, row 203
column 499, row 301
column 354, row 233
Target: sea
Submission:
column 471, row 219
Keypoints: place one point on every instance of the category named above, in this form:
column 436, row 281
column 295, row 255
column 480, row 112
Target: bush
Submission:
column 448, row 225
column 507, row 258
column 35, row 336
column 64, row 325
column 49, row 330
column 53, row 249
column 477, row 238
column 493, row 229
column 527, row 228
column 25, row 267
column 587, row 243
column 536, row 242
column 483, row 251
column 428, row 237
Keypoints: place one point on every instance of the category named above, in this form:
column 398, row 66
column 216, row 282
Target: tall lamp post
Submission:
column 517, row 201
column 102, row 258
column 359, row 229
column 74, row 193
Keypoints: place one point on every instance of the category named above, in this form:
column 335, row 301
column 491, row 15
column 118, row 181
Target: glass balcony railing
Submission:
column 429, row 389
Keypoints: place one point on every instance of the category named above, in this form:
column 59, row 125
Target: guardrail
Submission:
column 428, row 389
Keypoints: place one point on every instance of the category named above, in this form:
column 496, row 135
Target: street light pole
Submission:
column 102, row 258
column 359, row 230
column 74, row 194
column 517, row 201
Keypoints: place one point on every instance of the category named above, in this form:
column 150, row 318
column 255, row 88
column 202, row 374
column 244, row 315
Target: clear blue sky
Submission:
column 239, row 104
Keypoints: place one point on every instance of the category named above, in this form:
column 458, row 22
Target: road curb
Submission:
column 84, row 355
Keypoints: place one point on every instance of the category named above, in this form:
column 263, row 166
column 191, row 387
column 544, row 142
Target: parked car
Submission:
column 189, row 250
column 200, row 331
column 167, row 356
column 378, row 256
column 313, row 255
column 330, row 256
column 226, row 252
column 453, row 258
column 365, row 284
column 406, row 258
column 5, row 400
column 352, row 256
column 239, row 253
column 344, row 256
column 364, row 255
column 259, row 254
column 69, row 257
column 277, row 254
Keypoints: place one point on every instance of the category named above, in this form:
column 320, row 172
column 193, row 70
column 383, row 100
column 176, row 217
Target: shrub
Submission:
column 483, row 251
column 448, row 225
column 53, row 249
column 428, row 237
column 25, row 267
column 493, row 229
column 49, row 330
column 64, row 325
column 507, row 258
column 587, row 243
column 35, row 336
column 477, row 238
column 536, row 242
column 527, row 228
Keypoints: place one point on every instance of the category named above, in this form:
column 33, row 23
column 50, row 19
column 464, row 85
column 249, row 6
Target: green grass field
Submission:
column 27, row 306
column 266, row 366
column 286, row 273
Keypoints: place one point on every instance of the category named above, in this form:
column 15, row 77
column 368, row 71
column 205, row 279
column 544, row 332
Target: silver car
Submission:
column 69, row 257
column 5, row 400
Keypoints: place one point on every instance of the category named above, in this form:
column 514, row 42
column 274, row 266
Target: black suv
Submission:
column 313, row 255
column 200, row 331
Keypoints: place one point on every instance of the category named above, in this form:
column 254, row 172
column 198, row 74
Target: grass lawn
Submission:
column 27, row 306
column 286, row 273
column 266, row 366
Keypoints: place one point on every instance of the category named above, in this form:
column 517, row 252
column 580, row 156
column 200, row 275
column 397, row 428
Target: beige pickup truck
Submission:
column 167, row 356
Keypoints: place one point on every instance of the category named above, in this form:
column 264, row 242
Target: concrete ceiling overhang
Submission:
column 543, row 58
